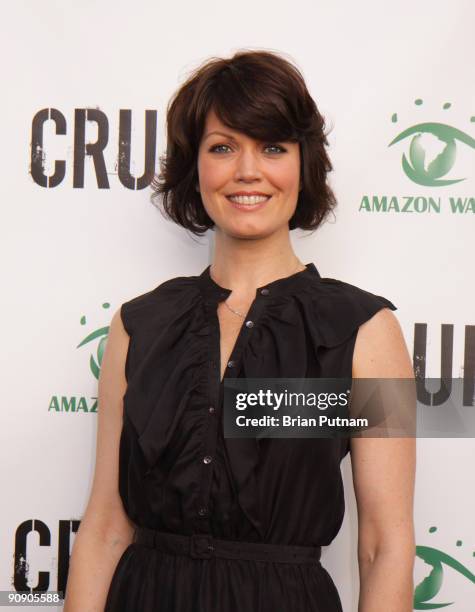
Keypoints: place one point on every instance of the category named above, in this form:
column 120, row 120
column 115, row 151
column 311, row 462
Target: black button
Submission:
column 265, row 291
column 203, row 511
column 230, row 364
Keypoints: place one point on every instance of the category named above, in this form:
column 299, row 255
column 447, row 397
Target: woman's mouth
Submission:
column 248, row 203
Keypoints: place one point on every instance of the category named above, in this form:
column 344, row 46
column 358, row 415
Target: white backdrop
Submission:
column 71, row 255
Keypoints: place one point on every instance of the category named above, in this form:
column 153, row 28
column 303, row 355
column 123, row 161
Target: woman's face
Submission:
column 248, row 188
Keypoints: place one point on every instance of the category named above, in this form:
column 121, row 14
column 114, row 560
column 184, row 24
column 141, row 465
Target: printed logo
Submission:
column 98, row 334
column 432, row 151
column 429, row 161
column 48, row 154
column 95, row 340
column 430, row 586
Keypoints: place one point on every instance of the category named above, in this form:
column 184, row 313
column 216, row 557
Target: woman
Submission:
column 227, row 524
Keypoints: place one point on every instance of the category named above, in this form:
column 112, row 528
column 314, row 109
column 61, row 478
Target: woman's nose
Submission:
column 247, row 166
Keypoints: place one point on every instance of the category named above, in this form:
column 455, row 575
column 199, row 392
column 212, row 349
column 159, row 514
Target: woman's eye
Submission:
column 221, row 148
column 216, row 147
column 275, row 146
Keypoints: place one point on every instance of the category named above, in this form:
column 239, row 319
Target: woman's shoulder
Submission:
column 341, row 307
column 165, row 298
column 343, row 292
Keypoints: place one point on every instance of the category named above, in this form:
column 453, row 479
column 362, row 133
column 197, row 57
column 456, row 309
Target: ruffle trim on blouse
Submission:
column 173, row 347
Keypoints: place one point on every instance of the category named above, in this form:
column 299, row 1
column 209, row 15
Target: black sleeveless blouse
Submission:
column 177, row 472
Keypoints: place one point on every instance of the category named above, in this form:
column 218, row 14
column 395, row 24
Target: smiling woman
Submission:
column 229, row 524
column 225, row 155
column 253, row 112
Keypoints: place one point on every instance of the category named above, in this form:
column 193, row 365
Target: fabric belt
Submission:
column 205, row 546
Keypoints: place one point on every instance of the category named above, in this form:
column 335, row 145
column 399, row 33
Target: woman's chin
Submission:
column 248, row 229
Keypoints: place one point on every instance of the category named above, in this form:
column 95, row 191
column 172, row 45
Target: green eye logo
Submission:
column 430, row 586
column 432, row 151
column 101, row 333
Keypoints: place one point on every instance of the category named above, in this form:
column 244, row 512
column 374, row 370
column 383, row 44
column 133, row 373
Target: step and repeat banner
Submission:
column 84, row 98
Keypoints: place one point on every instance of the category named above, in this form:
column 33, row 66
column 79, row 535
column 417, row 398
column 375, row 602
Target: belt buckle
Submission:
column 201, row 546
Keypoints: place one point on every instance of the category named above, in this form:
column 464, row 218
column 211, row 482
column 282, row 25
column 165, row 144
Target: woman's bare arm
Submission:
column 105, row 530
column 384, row 478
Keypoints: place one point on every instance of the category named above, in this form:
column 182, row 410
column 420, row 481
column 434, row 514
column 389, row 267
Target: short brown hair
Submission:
column 262, row 95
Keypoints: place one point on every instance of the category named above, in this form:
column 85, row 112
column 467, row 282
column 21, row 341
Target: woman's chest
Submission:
column 230, row 326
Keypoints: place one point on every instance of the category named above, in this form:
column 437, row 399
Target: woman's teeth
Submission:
column 248, row 200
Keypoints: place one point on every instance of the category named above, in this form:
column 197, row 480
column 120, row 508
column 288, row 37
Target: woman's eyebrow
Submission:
column 220, row 133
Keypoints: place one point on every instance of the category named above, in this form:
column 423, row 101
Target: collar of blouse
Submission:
column 281, row 286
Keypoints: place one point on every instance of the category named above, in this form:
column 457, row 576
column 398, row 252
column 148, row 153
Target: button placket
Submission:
column 212, row 294
column 215, row 398
column 208, row 450
column 244, row 334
